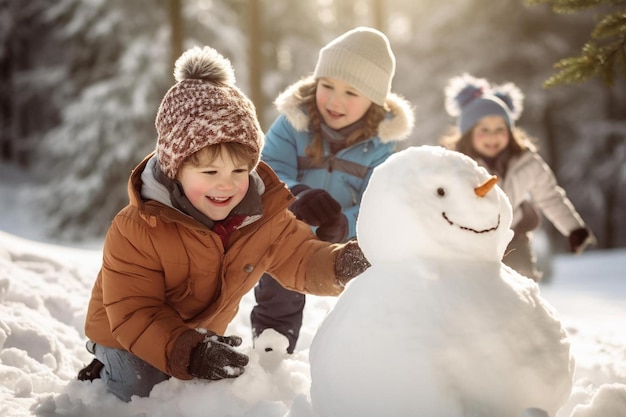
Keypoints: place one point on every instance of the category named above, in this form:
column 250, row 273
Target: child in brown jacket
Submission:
column 205, row 220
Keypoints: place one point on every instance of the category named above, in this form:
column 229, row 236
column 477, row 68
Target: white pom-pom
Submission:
column 512, row 96
column 461, row 90
column 204, row 64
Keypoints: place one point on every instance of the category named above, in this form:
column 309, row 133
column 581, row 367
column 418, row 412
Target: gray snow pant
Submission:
column 520, row 256
column 277, row 308
column 125, row 374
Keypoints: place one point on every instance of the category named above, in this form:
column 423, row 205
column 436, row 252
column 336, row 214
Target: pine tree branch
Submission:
column 603, row 62
column 604, row 55
column 573, row 6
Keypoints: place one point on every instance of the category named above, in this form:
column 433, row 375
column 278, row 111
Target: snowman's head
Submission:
column 429, row 202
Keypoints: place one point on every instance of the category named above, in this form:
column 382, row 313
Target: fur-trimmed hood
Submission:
column 397, row 126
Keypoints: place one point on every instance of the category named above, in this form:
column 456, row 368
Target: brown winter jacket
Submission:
column 164, row 273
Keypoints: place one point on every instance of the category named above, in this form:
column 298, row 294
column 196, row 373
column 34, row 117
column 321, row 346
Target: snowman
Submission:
column 438, row 326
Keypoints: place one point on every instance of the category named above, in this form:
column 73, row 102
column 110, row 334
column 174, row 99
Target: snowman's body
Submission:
column 438, row 326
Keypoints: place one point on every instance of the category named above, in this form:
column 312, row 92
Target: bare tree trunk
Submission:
column 177, row 32
column 552, row 159
column 616, row 106
column 255, row 58
column 379, row 15
column 6, row 105
column 8, row 136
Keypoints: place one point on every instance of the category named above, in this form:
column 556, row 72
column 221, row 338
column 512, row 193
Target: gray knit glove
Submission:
column 350, row 262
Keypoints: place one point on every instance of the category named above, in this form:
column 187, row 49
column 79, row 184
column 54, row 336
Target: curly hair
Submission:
column 373, row 116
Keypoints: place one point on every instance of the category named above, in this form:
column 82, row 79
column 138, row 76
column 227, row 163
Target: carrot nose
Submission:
column 484, row 188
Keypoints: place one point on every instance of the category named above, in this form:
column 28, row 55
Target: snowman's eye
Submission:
column 441, row 192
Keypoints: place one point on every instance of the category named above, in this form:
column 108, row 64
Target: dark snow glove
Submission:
column 334, row 231
column 298, row 188
column 350, row 262
column 315, row 207
column 214, row 358
column 579, row 239
column 91, row 371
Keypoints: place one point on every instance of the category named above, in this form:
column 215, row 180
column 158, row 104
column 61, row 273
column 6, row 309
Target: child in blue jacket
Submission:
column 334, row 128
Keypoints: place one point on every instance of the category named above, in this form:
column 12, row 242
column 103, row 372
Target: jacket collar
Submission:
column 149, row 183
column 397, row 125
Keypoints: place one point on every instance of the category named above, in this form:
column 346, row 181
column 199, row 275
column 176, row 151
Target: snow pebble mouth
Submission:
column 451, row 223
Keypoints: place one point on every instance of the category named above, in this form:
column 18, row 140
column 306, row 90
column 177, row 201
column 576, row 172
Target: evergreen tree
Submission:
column 290, row 49
column 119, row 69
column 603, row 56
column 598, row 193
column 115, row 75
column 29, row 70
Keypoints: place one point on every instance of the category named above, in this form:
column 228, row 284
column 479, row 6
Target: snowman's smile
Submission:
column 451, row 223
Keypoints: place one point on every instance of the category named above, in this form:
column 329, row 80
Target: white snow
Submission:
column 45, row 287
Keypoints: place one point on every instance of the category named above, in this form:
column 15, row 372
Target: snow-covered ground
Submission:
column 43, row 296
column 44, row 289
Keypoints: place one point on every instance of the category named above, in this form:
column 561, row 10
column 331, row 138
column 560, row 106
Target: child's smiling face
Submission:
column 215, row 187
column 339, row 103
column 490, row 136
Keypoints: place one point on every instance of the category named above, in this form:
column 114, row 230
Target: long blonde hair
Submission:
column 372, row 118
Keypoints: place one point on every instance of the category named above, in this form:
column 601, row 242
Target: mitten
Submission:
column 298, row 188
column 350, row 262
column 91, row 371
column 214, row 358
column 579, row 239
column 315, row 207
column 334, row 231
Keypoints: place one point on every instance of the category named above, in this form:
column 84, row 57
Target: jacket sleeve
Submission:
column 300, row 261
column 281, row 150
column 133, row 292
column 551, row 198
column 383, row 151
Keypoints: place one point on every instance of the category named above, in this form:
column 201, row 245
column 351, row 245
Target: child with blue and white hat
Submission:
column 486, row 131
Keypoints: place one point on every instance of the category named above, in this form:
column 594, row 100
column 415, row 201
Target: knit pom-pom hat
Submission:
column 361, row 57
column 203, row 108
column 472, row 98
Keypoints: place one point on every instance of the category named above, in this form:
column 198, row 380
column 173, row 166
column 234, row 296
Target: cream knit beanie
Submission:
column 362, row 57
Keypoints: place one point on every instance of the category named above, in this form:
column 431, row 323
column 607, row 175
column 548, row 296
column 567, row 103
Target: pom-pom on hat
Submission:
column 362, row 57
column 472, row 98
column 203, row 108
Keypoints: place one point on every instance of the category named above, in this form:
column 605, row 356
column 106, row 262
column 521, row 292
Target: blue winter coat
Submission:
column 346, row 174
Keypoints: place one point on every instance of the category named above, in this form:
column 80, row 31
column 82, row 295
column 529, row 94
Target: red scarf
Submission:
column 227, row 226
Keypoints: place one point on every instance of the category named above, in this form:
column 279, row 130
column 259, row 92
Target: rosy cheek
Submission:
column 243, row 188
column 194, row 193
column 320, row 99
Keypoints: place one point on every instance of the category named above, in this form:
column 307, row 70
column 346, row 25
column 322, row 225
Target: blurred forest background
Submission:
column 81, row 81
